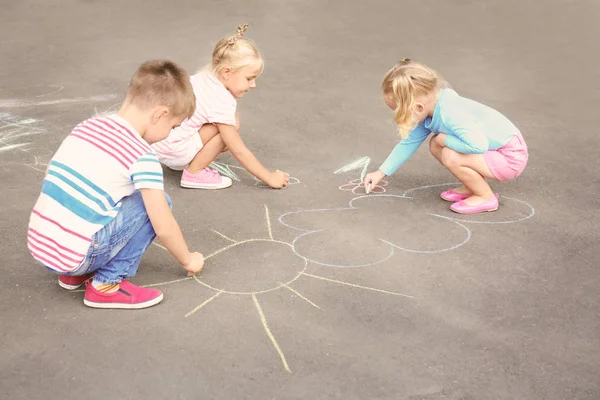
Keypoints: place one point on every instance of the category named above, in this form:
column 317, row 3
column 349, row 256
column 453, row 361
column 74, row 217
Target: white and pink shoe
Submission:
column 204, row 179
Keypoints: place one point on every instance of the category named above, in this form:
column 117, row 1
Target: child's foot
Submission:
column 456, row 194
column 204, row 179
column 72, row 282
column 475, row 204
column 128, row 296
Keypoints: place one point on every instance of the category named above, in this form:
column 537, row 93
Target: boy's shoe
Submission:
column 463, row 208
column 453, row 195
column 72, row 282
column 204, row 179
column 129, row 296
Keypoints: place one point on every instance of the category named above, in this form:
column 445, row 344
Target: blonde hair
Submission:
column 162, row 82
column 235, row 52
column 402, row 84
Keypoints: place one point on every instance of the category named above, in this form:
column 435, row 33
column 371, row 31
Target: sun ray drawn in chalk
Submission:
column 294, row 270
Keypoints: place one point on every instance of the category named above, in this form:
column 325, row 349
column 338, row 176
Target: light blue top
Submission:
column 471, row 128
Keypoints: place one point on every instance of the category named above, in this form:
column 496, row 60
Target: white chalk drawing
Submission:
column 112, row 109
column 17, row 131
column 258, row 182
column 226, row 170
column 356, row 187
column 526, row 210
column 362, row 164
column 358, row 229
column 298, row 271
column 24, row 103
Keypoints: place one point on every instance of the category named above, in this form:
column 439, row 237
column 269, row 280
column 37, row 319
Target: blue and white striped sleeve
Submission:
column 146, row 172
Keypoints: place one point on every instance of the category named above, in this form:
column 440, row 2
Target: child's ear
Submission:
column 159, row 113
column 419, row 107
column 226, row 71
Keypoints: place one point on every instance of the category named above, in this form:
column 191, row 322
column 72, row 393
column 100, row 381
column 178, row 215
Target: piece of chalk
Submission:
column 368, row 187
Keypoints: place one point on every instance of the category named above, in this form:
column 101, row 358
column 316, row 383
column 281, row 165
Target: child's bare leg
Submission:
column 212, row 145
column 436, row 151
column 471, row 170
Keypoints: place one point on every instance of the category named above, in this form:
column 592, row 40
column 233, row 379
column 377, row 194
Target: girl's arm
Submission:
column 238, row 149
column 404, row 150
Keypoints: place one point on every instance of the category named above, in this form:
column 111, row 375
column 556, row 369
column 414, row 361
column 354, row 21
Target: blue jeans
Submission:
column 116, row 249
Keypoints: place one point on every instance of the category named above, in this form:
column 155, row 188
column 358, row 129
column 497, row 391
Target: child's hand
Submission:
column 195, row 263
column 278, row 179
column 373, row 178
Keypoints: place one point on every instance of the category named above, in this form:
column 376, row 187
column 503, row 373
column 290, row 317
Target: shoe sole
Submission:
column 69, row 287
column 125, row 306
column 452, row 201
column 477, row 212
column 201, row 186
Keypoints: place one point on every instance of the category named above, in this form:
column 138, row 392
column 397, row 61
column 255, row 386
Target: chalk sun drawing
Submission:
column 375, row 227
column 284, row 280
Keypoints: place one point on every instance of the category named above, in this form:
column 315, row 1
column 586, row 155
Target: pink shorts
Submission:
column 508, row 161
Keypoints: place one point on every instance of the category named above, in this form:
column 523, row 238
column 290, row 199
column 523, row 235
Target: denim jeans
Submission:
column 116, row 249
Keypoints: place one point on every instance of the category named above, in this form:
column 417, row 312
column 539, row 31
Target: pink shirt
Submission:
column 214, row 105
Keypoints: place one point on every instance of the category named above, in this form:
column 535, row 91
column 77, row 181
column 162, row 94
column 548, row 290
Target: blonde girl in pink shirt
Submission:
column 215, row 126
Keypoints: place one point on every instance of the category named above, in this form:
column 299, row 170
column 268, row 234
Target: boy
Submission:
column 102, row 201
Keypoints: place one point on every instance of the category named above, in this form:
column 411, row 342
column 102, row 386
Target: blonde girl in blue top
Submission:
column 473, row 141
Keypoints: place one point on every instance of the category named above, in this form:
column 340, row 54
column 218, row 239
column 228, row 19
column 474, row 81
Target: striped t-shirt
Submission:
column 103, row 160
column 214, row 105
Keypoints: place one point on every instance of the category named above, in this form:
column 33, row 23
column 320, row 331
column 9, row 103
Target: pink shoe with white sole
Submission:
column 452, row 195
column 462, row 207
column 204, row 179
column 128, row 296
column 72, row 282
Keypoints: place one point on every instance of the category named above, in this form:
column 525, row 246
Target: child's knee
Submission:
column 450, row 158
column 433, row 147
column 169, row 201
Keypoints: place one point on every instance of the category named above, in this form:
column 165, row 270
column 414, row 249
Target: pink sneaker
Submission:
column 72, row 282
column 129, row 296
column 205, row 179
column 452, row 195
column 463, row 208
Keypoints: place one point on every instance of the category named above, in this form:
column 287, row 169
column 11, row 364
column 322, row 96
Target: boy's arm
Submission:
column 166, row 228
column 238, row 149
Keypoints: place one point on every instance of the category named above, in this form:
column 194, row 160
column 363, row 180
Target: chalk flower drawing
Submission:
column 356, row 187
column 375, row 227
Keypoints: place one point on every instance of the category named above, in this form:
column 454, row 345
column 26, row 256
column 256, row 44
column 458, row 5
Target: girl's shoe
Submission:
column 452, row 195
column 204, row 179
column 462, row 207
